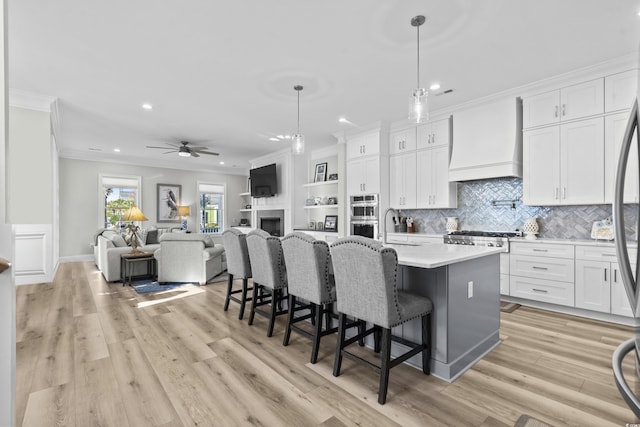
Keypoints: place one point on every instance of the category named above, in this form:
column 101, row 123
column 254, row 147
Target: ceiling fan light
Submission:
column 298, row 144
column 418, row 106
column 184, row 154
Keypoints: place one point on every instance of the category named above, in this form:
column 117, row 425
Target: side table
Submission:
column 129, row 259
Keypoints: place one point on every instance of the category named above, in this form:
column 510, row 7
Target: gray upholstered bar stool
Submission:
column 238, row 267
column 269, row 275
column 367, row 288
column 309, row 278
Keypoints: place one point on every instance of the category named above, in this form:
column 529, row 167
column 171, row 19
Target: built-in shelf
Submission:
column 322, row 206
column 320, row 184
column 245, row 194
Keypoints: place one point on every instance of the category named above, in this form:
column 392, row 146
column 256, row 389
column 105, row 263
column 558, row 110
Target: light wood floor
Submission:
column 89, row 355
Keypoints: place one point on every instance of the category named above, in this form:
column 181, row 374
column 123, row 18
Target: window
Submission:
column 118, row 195
column 211, row 207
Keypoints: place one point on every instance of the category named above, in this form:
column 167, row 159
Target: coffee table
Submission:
column 129, row 259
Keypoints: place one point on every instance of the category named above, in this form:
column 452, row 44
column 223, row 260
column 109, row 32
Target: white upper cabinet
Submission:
column 564, row 164
column 402, row 172
column 363, row 145
column 401, row 141
column 434, row 191
column 363, row 176
column 614, row 127
column 569, row 103
column 620, row 91
column 434, row 134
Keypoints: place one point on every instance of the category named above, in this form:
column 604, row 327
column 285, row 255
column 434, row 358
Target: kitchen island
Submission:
column 463, row 282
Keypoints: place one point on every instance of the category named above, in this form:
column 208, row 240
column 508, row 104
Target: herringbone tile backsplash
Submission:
column 495, row 205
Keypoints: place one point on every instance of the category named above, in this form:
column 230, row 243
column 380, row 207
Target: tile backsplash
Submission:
column 495, row 205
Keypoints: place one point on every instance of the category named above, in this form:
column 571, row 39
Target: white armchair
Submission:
column 185, row 257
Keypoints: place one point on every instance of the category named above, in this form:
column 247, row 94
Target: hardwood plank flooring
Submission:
column 92, row 353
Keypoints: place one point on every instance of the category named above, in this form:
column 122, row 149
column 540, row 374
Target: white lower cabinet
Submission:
column 599, row 285
column 504, row 274
column 542, row 272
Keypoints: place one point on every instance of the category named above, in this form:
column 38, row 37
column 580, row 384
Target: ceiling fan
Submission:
column 185, row 150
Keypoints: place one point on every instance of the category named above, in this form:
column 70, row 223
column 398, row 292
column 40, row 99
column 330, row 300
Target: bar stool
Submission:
column 309, row 278
column 269, row 276
column 238, row 267
column 367, row 288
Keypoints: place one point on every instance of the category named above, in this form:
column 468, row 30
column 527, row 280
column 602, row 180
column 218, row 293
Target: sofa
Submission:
column 109, row 244
column 186, row 257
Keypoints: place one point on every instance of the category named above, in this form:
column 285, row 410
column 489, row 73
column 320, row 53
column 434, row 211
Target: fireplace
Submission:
column 271, row 221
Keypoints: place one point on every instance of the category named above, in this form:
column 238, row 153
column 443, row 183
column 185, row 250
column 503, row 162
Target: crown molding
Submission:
column 30, row 100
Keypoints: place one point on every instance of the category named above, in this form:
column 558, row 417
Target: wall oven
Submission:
column 364, row 228
column 364, row 215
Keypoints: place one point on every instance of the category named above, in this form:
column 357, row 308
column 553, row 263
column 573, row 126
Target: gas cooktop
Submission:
column 475, row 233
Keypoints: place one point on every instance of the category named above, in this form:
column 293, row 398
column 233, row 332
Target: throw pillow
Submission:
column 152, row 237
column 208, row 242
column 118, row 241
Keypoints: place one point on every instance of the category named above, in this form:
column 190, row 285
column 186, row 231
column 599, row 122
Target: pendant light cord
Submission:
column 298, row 111
column 418, row 44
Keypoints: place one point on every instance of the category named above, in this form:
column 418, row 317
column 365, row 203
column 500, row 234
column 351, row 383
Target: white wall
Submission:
column 30, row 198
column 79, row 198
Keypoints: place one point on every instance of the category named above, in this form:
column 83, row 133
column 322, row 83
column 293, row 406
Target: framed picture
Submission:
column 321, row 172
column 331, row 223
column 333, row 177
column 168, row 202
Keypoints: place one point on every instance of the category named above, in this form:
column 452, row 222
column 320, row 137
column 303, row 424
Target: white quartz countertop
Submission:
column 433, row 255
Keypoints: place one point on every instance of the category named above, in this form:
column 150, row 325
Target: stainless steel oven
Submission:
column 364, row 207
column 366, row 228
column 364, row 215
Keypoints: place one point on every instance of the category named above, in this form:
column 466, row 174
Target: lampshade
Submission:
column 184, row 211
column 134, row 214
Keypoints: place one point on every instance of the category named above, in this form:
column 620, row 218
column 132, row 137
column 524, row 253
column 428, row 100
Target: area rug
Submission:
column 146, row 286
column 527, row 421
column 508, row 307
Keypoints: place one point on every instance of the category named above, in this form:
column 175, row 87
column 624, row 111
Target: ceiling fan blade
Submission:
column 169, row 152
column 194, row 154
column 164, row 148
column 209, row 153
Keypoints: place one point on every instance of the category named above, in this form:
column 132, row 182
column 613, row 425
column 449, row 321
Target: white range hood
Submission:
column 487, row 141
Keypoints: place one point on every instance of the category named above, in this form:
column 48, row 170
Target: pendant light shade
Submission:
column 418, row 106
column 298, row 139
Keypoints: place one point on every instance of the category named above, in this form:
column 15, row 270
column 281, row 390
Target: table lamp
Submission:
column 184, row 212
column 134, row 214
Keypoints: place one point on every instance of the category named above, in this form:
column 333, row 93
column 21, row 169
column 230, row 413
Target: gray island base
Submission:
column 464, row 285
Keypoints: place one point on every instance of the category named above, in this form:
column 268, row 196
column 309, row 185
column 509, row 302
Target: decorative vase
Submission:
column 452, row 224
column 531, row 228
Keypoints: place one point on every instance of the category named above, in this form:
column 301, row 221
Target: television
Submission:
column 264, row 181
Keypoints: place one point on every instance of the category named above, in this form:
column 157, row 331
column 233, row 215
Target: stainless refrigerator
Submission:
column 628, row 271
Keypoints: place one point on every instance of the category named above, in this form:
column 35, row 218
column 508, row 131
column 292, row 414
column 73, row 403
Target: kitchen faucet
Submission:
column 384, row 224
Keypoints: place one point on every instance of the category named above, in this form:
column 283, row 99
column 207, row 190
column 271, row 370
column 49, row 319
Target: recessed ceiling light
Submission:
column 274, row 139
column 222, row 163
column 147, row 106
column 117, row 150
column 343, row 120
column 435, row 86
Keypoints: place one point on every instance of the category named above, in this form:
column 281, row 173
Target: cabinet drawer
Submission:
column 542, row 267
column 599, row 253
column 550, row 291
column 541, row 249
column 504, row 284
column 424, row 239
column 395, row 238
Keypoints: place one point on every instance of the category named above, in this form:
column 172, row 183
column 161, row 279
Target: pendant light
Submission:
column 298, row 138
column 418, row 107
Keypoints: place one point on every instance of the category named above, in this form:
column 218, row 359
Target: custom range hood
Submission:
column 487, row 141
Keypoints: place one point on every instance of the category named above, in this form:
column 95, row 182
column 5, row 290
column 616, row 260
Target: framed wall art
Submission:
column 331, row 223
column 168, row 202
column 321, row 172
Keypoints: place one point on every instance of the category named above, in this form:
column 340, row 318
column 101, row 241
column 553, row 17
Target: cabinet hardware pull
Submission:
column 555, row 112
column 540, row 250
column 555, row 194
column 605, row 274
column 615, row 275
column 564, row 192
column 535, row 267
column 544, row 291
column 564, row 109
